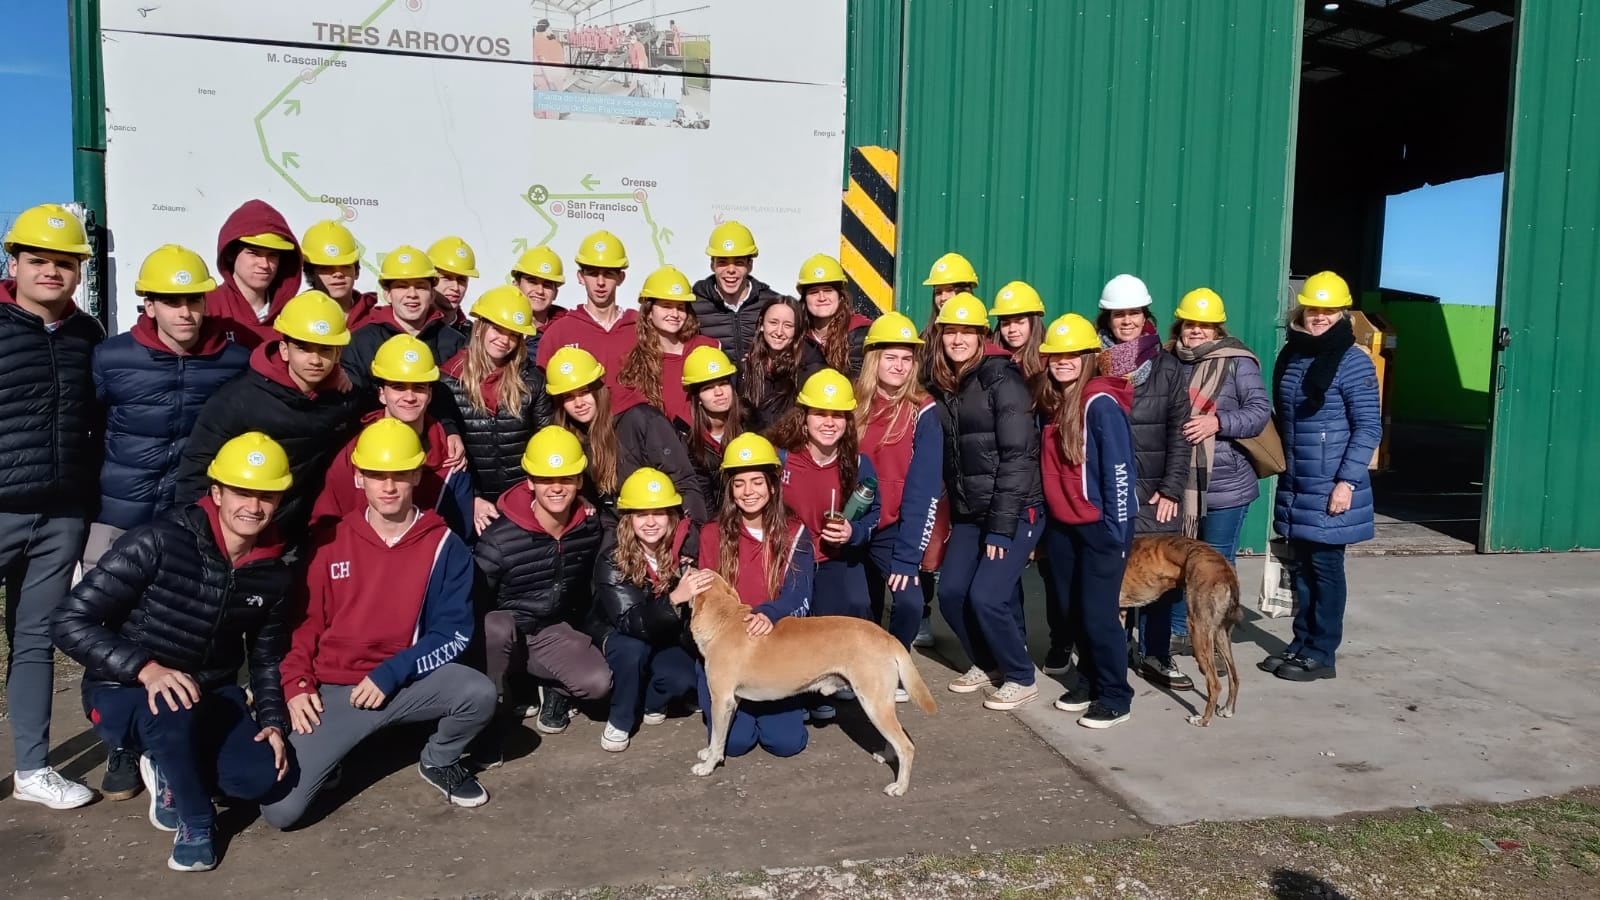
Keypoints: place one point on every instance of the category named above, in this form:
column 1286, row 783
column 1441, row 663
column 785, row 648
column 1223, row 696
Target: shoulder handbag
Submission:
column 1265, row 450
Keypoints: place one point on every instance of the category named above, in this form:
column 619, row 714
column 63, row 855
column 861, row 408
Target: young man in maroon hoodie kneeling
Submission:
column 387, row 611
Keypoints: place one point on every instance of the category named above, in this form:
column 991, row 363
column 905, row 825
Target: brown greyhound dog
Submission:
column 1160, row 563
column 802, row 654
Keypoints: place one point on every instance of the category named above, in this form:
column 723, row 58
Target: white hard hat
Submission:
column 1125, row 292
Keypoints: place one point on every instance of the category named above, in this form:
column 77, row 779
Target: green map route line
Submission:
column 657, row 233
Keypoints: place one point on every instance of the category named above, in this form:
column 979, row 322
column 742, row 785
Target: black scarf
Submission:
column 1326, row 351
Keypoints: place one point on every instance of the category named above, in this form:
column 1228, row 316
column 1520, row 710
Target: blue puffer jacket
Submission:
column 1243, row 410
column 152, row 397
column 1333, row 444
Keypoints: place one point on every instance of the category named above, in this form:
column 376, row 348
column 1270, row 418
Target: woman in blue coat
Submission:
column 1327, row 404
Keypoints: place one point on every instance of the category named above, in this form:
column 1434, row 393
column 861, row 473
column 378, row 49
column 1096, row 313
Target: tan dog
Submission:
column 1160, row 563
column 799, row 655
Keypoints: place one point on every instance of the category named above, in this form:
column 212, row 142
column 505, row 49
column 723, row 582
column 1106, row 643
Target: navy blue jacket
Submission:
column 152, row 398
column 1334, row 444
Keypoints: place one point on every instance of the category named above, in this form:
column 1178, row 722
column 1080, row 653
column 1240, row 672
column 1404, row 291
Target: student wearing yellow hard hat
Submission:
column 1087, row 461
column 716, row 415
column 832, row 324
column 779, row 361
column 600, row 326
column 457, row 265
column 536, row 564
column 47, row 387
column 407, row 280
column 729, row 302
column 1019, row 326
column 1326, row 393
column 258, row 272
column 667, row 332
column 499, row 395
column 387, row 616
column 539, row 275
column 991, row 475
column 294, row 391
column 950, row 274
column 332, row 265
column 767, row 556
column 637, row 593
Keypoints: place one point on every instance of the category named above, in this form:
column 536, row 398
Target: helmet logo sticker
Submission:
column 556, row 460
column 818, row 272
column 828, row 390
column 1006, row 295
column 961, row 313
column 404, row 258
column 1061, row 330
column 1322, row 294
column 330, row 249
column 566, row 368
column 676, row 289
column 256, row 458
column 461, row 253
column 941, row 267
column 905, row 331
column 713, row 366
column 653, row 487
column 56, row 222
column 519, row 317
column 745, row 454
column 545, row 268
column 320, row 327
column 410, row 356
column 1202, row 303
column 599, row 246
column 727, row 244
column 182, row 276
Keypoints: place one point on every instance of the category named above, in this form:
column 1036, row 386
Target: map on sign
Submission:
column 509, row 124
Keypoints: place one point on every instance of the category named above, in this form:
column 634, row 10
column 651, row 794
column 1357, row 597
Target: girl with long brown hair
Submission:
column 950, row 274
column 832, row 324
column 621, row 432
column 779, row 361
column 668, row 333
column 499, row 396
column 765, row 553
column 715, row 414
column 900, row 434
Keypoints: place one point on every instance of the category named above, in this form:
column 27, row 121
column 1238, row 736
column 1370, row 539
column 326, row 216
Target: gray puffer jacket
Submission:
column 1243, row 410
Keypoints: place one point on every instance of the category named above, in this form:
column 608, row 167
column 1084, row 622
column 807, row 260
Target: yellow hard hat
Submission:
column 388, row 445
column 405, row 360
column 731, row 239
column 48, row 227
column 749, row 450
column 602, row 250
column 539, row 262
column 453, row 255
column 315, row 318
column 706, row 364
column 892, row 328
column 648, row 488
column 951, row 268
column 554, row 453
column 329, row 243
column 266, row 240
column 820, row 269
column 1017, row 298
column 251, row 462
column 507, row 307
column 1325, row 290
column 667, row 283
column 406, row 261
column 571, row 368
column 1071, row 333
column 828, row 389
column 171, row 269
column 1202, row 305
column 963, row 309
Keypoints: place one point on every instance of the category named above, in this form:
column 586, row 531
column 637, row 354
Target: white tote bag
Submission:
column 1277, row 581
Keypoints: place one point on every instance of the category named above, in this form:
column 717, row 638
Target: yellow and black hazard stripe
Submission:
column 867, row 230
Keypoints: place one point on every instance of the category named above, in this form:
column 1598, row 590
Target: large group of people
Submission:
column 304, row 513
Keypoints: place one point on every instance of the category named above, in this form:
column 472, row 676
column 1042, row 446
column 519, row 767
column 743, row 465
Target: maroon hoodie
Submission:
column 270, row 364
column 212, row 340
column 516, row 504
column 268, row 545
column 579, row 329
column 226, row 302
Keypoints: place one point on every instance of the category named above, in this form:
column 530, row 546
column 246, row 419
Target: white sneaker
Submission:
column 613, row 739
column 654, row 718
column 924, row 636
column 47, row 787
column 526, row 710
column 900, row 695
column 970, row 681
column 1011, row 695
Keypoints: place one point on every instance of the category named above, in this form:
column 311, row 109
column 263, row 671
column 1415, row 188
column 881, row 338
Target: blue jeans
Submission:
column 778, row 726
column 905, row 607
column 1086, row 564
column 977, row 596
column 1319, row 590
column 840, row 586
column 644, row 678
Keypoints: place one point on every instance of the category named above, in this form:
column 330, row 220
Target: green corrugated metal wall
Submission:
column 872, row 98
column 1543, row 475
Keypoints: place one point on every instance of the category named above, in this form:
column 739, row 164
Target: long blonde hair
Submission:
column 1065, row 409
column 631, row 555
column 600, row 435
column 775, row 520
column 641, row 368
column 514, row 392
column 904, row 401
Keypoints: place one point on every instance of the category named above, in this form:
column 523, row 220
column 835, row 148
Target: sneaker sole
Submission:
column 902, row 697
column 58, row 804
column 548, row 729
column 462, row 802
column 613, row 746
column 1064, row 706
column 924, row 644
column 1056, row 670
column 128, row 794
column 655, row 720
column 176, row 866
column 1005, row 705
column 1319, row 675
column 147, row 774
column 1102, row 724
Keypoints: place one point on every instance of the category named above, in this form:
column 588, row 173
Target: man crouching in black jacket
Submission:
column 154, row 679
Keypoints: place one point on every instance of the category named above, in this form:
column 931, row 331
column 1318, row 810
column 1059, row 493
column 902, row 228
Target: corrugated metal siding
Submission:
column 873, row 65
column 1542, row 472
column 1064, row 141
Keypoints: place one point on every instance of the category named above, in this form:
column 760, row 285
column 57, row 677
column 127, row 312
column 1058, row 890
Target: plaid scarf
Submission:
column 1213, row 366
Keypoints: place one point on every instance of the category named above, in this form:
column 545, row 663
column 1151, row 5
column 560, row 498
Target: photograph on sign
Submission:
column 649, row 71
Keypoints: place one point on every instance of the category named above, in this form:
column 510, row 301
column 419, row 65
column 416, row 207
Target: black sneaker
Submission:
column 1057, row 662
column 556, row 713
column 1162, row 671
column 1100, row 717
column 1075, row 700
column 122, row 775
column 1302, row 669
column 1272, row 663
column 458, row 785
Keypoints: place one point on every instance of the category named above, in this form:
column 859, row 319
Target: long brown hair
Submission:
column 700, row 448
column 631, row 554
column 1027, row 356
column 903, row 402
column 514, row 391
column 764, row 367
column 641, row 368
column 774, row 531
column 946, row 375
column 1064, row 406
column 835, row 331
column 790, row 434
column 600, row 436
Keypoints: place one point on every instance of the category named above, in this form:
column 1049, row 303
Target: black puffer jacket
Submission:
column 541, row 580
column 646, row 438
column 50, row 421
column 777, row 395
column 1160, row 408
column 640, row 611
column 735, row 329
column 443, row 341
column 495, row 442
column 165, row 592
column 991, row 446
column 310, row 428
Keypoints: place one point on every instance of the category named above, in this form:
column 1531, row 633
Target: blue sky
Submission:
column 33, row 72
column 1444, row 240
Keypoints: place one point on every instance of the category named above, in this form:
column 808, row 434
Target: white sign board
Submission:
column 509, row 124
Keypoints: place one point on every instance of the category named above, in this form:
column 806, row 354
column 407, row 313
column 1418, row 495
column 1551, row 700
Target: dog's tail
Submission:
column 912, row 679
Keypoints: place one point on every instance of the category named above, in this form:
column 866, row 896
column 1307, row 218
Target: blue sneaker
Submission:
column 192, row 850
column 163, row 811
